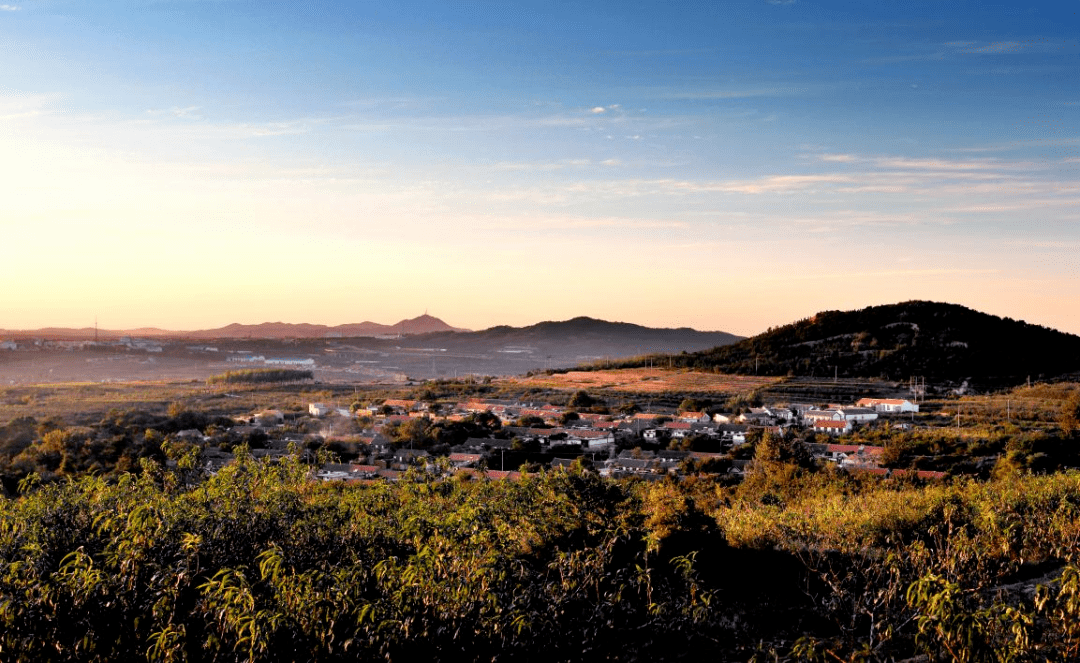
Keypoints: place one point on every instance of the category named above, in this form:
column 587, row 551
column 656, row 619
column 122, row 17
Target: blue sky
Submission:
column 728, row 166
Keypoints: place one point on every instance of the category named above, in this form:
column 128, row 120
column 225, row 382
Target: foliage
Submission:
column 260, row 376
column 259, row 563
column 128, row 560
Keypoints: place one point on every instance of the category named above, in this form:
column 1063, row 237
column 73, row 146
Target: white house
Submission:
column 319, row 409
column 893, row 405
column 781, row 413
column 694, row 417
column 830, row 427
column 814, row 416
column 858, row 415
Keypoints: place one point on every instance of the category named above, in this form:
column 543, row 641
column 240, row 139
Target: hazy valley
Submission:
column 418, row 349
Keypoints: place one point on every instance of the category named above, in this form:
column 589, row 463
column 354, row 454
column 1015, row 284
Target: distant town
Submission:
column 391, row 437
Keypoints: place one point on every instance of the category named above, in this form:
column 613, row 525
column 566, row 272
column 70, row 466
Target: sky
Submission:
column 728, row 166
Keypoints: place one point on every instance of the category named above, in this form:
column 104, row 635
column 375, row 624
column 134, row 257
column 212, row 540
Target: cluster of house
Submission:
column 566, row 436
column 864, row 458
column 597, row 436
column 834, row 419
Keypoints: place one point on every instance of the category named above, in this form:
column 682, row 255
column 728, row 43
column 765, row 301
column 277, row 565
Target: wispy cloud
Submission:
column 19, row 105
column 547, row 166
column 276, row 128
column 919, row 164
column 782, row 183
column 838, row 219
column 10, row 8
column 733, row 93
column 999, row 47
column 660, row 52
column 1008, row 47
column 597, row 110
column 571, row 223
column 189, row 112
column 896, row 59
column 840, row 158
column 942, row 164
column 998, row 182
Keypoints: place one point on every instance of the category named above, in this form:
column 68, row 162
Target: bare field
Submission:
column 76, row 402
column 644, row 380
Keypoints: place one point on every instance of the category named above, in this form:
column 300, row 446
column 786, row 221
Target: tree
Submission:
column 488, row 421
column 1070, row 415
column 413, row 433
column 581, row 399
column 694, row 405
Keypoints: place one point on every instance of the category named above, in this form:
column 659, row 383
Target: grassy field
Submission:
column 644, row 380
column 77, row 402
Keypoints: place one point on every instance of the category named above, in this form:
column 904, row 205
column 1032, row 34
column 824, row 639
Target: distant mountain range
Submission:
column 551, row 343
column 916, row 338
column 424, row 324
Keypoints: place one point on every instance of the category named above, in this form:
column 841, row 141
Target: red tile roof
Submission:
column 842, row 448
column 465, row 458
column 500, row 474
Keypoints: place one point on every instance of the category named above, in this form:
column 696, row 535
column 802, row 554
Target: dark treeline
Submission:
column 260, row 376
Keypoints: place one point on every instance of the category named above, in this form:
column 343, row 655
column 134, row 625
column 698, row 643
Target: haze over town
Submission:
column 724, row 166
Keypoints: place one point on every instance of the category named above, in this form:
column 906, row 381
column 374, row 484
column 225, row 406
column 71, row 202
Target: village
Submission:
column 502, row 439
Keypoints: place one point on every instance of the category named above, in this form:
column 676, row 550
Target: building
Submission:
column 890, row 405
column 830, row 427
column 859, row 415
column 813, row 416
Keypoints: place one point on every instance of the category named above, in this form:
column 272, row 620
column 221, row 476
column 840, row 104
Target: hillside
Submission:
column 916, row 338
column 580, row 337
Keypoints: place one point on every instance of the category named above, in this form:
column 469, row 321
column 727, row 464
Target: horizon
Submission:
column 460, row 328
column 186, row 165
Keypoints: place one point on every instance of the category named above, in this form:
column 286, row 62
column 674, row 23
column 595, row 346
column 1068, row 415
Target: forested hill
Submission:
column 917, row 338
column 583, row 336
